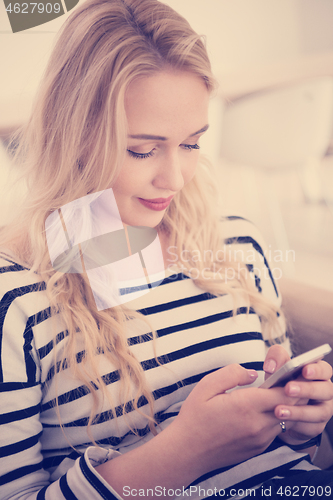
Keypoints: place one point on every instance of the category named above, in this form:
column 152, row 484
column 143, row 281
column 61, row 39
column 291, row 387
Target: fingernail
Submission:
column 270, row 366
column 284, row 413
column 253, row 374
column 294, row 389
column 309, row 371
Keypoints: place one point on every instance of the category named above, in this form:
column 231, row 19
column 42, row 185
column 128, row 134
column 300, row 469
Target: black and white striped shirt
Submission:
column 197, row 334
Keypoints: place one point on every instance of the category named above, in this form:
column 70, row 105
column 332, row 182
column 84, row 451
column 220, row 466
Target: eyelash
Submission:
column 142, row 156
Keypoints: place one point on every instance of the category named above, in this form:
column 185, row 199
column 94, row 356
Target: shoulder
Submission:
column 236, row 229
column 16, row 280
column 243, row 241
column 22, row 297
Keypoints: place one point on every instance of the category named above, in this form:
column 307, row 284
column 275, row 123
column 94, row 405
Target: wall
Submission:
column 316, row 25
column 241, row 35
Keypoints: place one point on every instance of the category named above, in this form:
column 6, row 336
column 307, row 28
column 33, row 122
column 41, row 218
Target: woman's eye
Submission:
column 189, row 147
column 140, row 156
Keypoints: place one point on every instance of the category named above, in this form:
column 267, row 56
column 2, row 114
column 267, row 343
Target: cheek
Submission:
column 190, row 169
column 127, row 181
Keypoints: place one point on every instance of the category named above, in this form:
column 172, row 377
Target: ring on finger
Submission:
column 283, row 426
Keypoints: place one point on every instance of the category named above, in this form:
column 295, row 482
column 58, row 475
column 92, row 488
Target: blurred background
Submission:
column 271, row 134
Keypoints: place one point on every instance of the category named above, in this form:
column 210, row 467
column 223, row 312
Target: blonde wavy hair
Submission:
column 74, row 144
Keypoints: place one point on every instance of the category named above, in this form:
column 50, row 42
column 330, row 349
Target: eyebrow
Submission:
column 162, row 138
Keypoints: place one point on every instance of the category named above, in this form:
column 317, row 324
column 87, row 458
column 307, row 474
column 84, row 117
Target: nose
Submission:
column 170, row 176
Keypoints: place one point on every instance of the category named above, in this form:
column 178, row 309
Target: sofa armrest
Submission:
column 309, row 314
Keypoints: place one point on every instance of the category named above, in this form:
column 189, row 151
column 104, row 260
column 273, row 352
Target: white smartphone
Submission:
column 293, row 368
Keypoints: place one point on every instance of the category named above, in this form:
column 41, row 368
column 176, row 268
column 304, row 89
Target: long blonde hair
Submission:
column 74, row 144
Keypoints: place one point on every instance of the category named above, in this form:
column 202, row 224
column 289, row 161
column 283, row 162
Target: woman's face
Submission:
column 167, row 113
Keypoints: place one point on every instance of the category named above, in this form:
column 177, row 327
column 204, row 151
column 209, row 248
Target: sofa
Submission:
column 309, row 314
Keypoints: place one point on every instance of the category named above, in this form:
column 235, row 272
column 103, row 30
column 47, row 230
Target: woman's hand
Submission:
column 214, row 428
column 221, row 428
column 314, row 390
column 307, row 420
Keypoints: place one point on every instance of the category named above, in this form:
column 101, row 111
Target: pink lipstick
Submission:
column 157, row 203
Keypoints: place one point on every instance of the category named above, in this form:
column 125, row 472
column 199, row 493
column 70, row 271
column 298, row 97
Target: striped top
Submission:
column 197, row 334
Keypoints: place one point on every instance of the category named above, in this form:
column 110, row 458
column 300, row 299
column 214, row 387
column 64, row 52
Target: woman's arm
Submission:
column 214, row 429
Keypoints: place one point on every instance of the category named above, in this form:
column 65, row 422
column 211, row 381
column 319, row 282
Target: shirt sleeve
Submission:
column 21, row 461
column 244, row 242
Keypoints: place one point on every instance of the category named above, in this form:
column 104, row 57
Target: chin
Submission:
column 146, row 221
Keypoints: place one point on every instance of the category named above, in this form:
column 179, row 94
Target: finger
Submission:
column 266, row 400
column 317, row 371
column 224, row 379
column 316, row 390
column 276, row 357
column 320, row 413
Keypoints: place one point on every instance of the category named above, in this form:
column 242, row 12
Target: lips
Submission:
column 158, row 200
column 156, row 203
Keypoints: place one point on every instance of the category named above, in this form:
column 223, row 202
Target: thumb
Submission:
column 224, row 379
column 276, row 357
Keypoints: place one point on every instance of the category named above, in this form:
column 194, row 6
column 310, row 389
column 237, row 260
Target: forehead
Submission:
column 167, row 103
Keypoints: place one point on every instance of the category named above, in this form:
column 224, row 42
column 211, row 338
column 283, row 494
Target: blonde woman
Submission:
column 138, row 398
